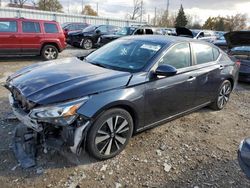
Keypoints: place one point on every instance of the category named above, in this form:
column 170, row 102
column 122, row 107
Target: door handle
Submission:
column 191, row 78
column 222, row 67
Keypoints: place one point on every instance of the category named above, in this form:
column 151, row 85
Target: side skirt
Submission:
column 173, row 117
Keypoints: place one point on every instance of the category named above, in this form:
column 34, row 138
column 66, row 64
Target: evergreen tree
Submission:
column 181, row 19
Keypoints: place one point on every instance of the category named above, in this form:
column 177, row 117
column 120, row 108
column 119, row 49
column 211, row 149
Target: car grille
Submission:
column 21, row 101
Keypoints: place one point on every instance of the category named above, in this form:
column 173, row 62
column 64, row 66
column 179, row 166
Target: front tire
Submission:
column 222, row 96
column 110, row 134
column 49, row 52
column 87, row 44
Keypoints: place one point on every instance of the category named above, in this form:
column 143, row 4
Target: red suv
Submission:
column 19, row 36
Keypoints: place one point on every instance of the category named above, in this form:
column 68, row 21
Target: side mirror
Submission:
column 166, row 70
column 98, row 31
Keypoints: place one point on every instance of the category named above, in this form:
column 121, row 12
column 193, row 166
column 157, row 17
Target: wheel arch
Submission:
column 125, row 105
column 50, row 43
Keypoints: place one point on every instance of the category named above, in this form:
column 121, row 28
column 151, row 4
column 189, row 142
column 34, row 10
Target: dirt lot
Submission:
column 198, row 150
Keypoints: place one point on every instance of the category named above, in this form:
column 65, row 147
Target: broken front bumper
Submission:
column 72, row 136
column 24, row 117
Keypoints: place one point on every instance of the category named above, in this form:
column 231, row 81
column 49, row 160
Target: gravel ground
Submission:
column 198, row 150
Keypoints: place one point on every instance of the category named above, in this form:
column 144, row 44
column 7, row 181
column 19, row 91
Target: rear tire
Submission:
column 49, row 52
column 222, row 96
column 109, row 134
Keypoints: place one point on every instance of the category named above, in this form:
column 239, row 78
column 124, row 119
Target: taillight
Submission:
column 238, row 62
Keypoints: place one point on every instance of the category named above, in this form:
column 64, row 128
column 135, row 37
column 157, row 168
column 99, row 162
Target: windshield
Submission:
column 124, row 55
column 89, row 28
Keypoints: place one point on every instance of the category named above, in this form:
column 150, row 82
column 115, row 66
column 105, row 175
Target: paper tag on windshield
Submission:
column 151, row 47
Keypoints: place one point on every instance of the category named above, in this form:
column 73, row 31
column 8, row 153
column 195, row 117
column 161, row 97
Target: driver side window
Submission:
column 178, row 56
column 103, row 29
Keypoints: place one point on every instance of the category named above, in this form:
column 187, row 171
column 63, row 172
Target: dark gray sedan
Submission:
column 125, row 87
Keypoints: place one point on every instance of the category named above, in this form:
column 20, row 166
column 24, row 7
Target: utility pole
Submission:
column 82, row 7
column 155, row 17
column 167, row 8
column 97, row 8
column 141, row 10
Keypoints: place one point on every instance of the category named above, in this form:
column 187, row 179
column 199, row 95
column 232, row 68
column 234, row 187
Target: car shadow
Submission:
column 19, row 58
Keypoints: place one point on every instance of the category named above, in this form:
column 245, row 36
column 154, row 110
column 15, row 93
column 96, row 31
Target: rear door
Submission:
column 207, row 71
column 9, row 37
column 31, row 37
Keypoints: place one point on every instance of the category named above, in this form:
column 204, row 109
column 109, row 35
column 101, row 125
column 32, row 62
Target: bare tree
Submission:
column 137, row 10
column 20, row 3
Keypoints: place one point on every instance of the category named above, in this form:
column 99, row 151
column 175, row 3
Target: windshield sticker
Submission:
column 124, row 51
column 151, row 47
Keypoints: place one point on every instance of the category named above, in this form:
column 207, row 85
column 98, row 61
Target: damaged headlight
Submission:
column 61, row 113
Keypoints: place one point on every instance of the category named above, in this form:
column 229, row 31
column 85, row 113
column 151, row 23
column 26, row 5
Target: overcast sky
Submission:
column 201, row 9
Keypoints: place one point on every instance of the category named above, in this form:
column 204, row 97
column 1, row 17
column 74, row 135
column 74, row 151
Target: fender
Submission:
column 130, row 97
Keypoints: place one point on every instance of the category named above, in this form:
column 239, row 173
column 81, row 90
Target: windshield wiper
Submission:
column 99, row 65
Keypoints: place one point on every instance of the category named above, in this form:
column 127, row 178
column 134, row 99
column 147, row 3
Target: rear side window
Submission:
column 149, row 32
column 8, row 26
column 216, row 53
column 179, row 56
column 31, row 27
column 50, row 28
column 203, row 53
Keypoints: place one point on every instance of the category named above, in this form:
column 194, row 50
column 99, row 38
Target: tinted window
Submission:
column 179, row 56
column 125, row 55
column 50, row 28
column 139, row 32
column 8, row 26
column 216, row 53
column 203, row 53
column 31, row 27
column 149, row 32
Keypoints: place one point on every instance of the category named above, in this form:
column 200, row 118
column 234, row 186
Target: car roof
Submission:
column 162, row 39
column 27, row 19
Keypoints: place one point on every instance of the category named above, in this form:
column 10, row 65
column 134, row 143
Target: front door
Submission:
column 169, row 96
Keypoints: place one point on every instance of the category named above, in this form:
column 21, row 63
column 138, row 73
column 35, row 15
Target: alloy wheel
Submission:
column 224, row 95
column 87, row 44
column 112, row 135
column 50, row 53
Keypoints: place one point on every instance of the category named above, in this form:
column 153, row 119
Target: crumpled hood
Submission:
column 65, row 79
column 182, row 31
column 237, row 38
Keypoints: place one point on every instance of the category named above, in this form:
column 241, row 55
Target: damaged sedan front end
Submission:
column 48, row 106
column 52, row 126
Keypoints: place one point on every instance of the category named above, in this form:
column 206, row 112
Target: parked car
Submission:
column 127, row 86
column 206, row 35
column 165, row 31
column 125, row 31
column 221, row 43
column 244, row 156
column 88, row 37
column 239, row 47
column 19, row 36
column 73, row 26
